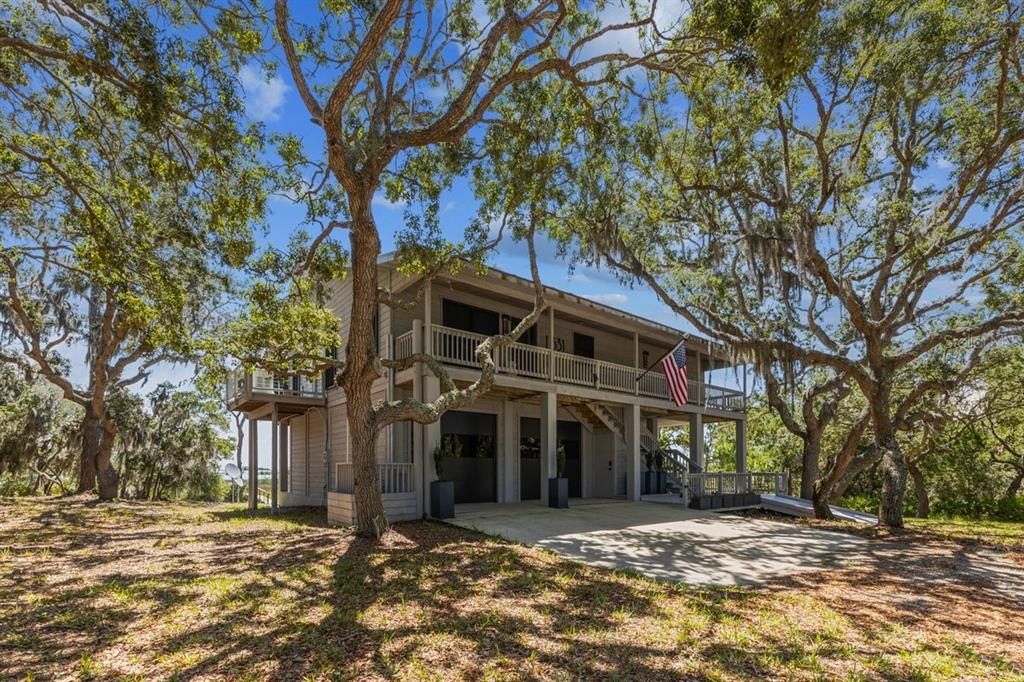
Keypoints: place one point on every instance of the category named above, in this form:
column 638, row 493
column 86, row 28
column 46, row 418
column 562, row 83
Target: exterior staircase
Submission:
column 676, row 462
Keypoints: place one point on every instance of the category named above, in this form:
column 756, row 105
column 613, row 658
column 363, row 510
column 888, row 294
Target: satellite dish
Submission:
column 232, row 470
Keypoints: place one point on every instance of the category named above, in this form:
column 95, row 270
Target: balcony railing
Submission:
column 394, row 477
column 730, row 483
column 242, row 385
column 457, row 347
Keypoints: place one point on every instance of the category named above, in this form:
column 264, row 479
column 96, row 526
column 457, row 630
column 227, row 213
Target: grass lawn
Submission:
column 181, row 591
column 1000, row 533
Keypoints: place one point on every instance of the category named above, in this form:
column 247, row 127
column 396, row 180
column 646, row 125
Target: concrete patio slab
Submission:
column 667, row 542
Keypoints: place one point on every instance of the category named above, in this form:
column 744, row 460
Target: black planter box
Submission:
column 558, row 493
column 732, row 501
column 442, row 499
column 716, row 501
column 752, row 499
column 703, row 503
column 662, row 482
column 649, row 485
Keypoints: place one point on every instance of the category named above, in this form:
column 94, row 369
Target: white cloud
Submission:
column 668, row 16
column 943, row 162
column 263, row 96
column 608, row 299
column 382, row 201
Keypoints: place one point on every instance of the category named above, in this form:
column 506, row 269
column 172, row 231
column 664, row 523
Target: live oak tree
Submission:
column 129, row 183
column 810, row 416
column 38, row 431
column 994, row 409
column 172, row 444
column 856, row 214
column 404, row 91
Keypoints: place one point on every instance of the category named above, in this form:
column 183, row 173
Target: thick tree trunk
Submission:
column 810, row 459
column 91, row 436
column 920, row 491
column 106, row 474
column 894, row 478
column 359, row 374
column 859, row 464
column 95, row 467
column 819, row 500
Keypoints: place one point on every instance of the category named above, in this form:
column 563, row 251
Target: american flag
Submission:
column 674, row 365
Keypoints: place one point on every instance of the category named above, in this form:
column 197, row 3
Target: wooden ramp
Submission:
column 795, row 506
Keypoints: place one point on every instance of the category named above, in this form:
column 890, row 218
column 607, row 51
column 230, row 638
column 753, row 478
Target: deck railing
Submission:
column 457, row 347
column 394, row 477
column 241, row 383
column 731, row 483
column 403, row 345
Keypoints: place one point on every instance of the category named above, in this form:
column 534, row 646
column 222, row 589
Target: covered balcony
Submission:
column 457, row 348
column 250, row 390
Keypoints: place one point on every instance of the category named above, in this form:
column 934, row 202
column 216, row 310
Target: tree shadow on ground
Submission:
column 221, row 593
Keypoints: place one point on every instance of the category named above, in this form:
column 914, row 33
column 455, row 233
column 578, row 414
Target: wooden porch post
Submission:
column 253, row 466
column 741, row 446
column 273, row 458
column 697, row 439
column 636, row 363
column 548, row 441
column 633, row 468
column 551, row 346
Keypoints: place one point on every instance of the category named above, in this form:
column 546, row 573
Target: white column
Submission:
column 697, row 438
column 509, row 452
column 636, row 363
column 548, row 441
column 428, row 319
column 419, row 455
column 633, row 456
column 253, row 466
column 551, row 345
column 273, row 458
column 431, row 432
column 741, row 446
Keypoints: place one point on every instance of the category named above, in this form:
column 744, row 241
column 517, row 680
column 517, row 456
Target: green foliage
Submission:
column 171, row 446
column 132, row 178
column 774, row 41
column 38, row 436
column 560, row 461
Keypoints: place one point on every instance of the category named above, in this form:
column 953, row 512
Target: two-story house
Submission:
column 587, row 376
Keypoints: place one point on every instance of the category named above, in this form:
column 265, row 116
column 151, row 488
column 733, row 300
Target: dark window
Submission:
column 529, row 458
column 474, row 472
column 647, row 359
column 508, row 323
column 582, row 345
column 376, row 330
column 468, row 318
column 330, row 372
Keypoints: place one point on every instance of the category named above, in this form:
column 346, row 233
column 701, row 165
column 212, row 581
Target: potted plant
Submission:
column 558, row 487
column 442, row 492
column 650, row 482
column 662, row 475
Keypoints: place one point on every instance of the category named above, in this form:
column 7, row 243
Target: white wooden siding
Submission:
column 341, row 508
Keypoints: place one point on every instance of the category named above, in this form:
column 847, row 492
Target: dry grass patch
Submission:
column 174, row 591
